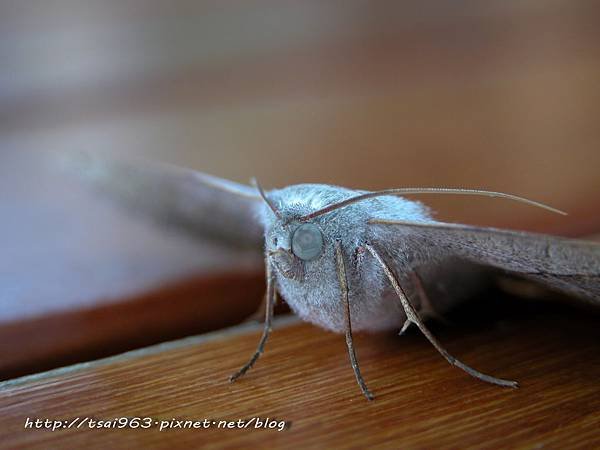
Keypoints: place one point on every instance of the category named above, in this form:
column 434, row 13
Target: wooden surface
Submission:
column 500, row 95
column 84, row 332
column 305, row 379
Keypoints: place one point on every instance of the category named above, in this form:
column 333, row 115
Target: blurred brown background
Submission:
column 500, row 95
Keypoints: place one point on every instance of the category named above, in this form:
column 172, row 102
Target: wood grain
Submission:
column 304, row 378
column 84, row 332
column 498, row 95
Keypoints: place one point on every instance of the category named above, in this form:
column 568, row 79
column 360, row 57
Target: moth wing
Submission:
column 191, row 201
column 569, row 265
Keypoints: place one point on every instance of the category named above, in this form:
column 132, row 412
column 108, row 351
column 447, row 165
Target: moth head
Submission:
column 291, row 244
column 307, row 242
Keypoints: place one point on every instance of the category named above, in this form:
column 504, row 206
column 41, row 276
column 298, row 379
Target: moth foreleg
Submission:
column 270, row 297
column 412, row 316
column 341, row 271
column 426, row 308
column 259, row 314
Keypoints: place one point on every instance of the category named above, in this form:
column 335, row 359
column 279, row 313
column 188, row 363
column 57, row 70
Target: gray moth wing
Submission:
column 191, row 201
column 567, row 265
column 216, row 208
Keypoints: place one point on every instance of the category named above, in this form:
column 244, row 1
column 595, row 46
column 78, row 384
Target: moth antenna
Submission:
column 267, row 200
column 407, row 191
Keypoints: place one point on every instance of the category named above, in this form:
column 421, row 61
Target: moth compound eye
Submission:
column 307, row 242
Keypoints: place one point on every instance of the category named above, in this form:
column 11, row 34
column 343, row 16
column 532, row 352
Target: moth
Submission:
column 351, row 260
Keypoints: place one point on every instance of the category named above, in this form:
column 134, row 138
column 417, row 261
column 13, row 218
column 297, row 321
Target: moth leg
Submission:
column 413, row 317
column 269, row 304
column 259, row 314
column 341, row 270
column 426, row 308
column 405, row 327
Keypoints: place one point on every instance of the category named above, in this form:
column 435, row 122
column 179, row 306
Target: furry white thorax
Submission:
column 316, row 297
